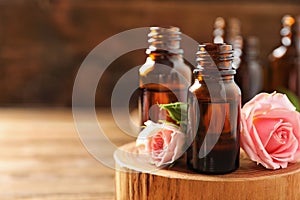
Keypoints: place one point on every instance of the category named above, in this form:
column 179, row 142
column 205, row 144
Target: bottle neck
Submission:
column 214, row 60
column 251, row 49
column 164, row 41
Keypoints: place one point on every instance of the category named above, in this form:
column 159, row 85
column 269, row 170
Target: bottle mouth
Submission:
column 215, row 56
column 165, row 39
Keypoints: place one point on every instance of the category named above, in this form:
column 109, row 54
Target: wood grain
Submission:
column 42, row 157
column 250, row 181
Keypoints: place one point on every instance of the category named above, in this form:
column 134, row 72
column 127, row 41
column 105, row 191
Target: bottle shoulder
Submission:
column 225, row 87
column 168, row 65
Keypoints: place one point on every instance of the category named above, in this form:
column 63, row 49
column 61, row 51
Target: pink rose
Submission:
column 271, row 130
column 163, row 142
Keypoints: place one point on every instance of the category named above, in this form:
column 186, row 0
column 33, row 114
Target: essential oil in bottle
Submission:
column 214, row 102
column 164, row 78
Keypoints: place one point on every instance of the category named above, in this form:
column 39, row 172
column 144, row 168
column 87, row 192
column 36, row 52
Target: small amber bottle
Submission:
column 285, row 60
column 234, row 37
column 214, row 112
column 250, row 74
column 165, row 77
column 229, row 31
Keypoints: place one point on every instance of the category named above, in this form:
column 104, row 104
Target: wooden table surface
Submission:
column 42, row 157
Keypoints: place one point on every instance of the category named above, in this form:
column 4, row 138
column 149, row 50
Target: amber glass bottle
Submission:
column 164, row 78
column 285, row 65
column 229, row 31
column 233, row 37
column 214, row 112
column 249, row 75
column 219, row 30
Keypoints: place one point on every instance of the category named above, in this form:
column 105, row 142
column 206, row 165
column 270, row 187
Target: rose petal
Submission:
column 174, row 150
column 292, row 117
column 156, row 142
column 167, row 136
column 278, row 100
column 282, row 147
column 150, row 130
column 163, row 142
column 252, row 107
column 265, row 119
column 265, row 128
column 246, row 141
column 265, row 102
column 268, row 128
column 264, row 158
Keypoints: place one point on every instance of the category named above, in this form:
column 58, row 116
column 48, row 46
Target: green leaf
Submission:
column 177, row 111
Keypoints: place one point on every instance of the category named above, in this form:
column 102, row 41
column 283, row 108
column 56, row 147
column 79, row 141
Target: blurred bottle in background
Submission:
column 284, row 60
column 219, row 30
column 229, row 31
column 234, row 37
column 250, row 74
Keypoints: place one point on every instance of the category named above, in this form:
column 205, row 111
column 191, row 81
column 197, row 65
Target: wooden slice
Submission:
column 136, row 179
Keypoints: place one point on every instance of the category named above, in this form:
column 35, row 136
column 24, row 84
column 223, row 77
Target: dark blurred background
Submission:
column 43, row 42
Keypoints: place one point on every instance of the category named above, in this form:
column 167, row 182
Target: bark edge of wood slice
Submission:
column 136, row 180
